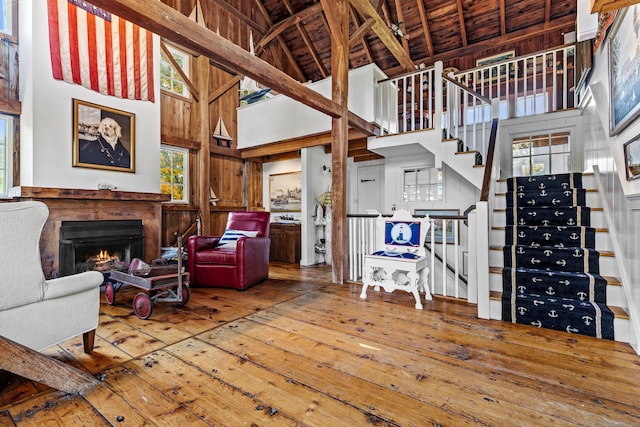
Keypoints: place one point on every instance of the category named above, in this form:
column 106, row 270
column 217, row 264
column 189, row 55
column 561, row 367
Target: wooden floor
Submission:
column 297, row 350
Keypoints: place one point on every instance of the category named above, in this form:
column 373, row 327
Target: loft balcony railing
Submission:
column 538, row 83
column 460, row 103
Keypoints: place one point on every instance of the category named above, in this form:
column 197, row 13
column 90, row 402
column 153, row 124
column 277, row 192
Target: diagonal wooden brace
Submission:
column 35, row 366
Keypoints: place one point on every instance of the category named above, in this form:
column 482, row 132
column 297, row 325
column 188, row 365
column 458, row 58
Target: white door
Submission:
column 370, row 187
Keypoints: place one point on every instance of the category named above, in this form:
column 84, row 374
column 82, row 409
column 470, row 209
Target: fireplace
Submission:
column 99, row 245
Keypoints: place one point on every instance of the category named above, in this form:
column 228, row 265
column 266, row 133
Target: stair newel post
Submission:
column 482, row 258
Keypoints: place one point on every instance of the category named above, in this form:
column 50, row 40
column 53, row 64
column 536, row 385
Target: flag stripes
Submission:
column 100, row 51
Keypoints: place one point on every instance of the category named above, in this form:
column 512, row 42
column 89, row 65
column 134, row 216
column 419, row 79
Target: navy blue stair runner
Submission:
column 551, row 268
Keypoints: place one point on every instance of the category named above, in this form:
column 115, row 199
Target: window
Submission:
column 541, row 154
column 170, row 79
column 7, row 16
column 6, row 154
column 174, row 167
column 422, row 185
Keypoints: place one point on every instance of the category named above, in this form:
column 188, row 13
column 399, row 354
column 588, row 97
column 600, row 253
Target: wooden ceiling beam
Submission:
column 366, row 158
column 224, row 88
column 425, row 27
column 238, row 14
column 547, row 10
column 366, row 10
column 400, row 15
column 463, row 28
column 287, row 52
column 306, row 39
column 294, row 19
column 503, row 19
column 358, row 35
column 294, row 144
column 167, row 22
column 314, row 54
column 515, row 36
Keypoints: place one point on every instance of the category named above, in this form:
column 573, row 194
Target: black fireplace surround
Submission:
column 81, row 240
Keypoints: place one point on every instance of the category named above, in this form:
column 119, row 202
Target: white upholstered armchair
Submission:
column 35, row 312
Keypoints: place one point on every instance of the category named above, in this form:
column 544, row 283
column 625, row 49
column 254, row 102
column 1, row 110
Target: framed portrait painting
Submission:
column 103, row 137
column 624, row 79
column 437, row 224
column 285, row 192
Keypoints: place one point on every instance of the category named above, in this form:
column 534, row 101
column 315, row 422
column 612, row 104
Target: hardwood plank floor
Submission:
column 298, row 350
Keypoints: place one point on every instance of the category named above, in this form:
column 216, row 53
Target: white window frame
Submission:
column 557, row 149
column 6, row 147
column 175, row 76
column 415, row 196
column 185, row 152
column 9, row 19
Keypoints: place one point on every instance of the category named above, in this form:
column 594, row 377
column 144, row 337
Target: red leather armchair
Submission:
column 239, row 267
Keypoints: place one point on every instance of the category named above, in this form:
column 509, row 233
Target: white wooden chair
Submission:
column 401, row 261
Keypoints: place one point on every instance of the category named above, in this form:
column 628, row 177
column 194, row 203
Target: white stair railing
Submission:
column 445, row 269
column 362, row 241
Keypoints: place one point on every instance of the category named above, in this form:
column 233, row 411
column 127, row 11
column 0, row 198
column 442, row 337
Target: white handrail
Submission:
column 445, row 269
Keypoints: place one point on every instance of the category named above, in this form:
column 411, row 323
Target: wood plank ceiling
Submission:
column 431, row 30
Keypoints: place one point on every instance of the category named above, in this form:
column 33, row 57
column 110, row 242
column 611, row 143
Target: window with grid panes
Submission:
column 6, row 153
column 541, row 154
column 170, row 79
column 422, row 184
column 174, row 167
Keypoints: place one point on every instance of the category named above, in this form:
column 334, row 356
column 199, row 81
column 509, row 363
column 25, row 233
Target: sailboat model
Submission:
column 221, row 134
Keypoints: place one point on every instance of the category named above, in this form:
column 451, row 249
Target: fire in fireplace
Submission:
column 99, row 245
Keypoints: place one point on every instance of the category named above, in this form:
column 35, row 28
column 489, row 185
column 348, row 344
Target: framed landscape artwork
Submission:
column 632, row 158
column 624, row 61
column 285, row 192
column 103, row 137
column 437, row 224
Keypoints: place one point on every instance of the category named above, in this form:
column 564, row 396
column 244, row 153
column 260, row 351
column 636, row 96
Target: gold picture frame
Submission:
column 103, row 137
column 285, row 192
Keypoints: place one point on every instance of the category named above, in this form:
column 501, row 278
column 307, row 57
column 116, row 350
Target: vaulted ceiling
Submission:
column 294, row 35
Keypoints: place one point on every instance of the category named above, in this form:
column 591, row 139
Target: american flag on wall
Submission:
column 95, row 49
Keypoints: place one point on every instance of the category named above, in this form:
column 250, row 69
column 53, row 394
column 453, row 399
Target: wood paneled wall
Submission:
column 229, row 177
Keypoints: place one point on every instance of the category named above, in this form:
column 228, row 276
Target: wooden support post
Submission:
column 337, row 13
column 30, row 364
column 204, row 156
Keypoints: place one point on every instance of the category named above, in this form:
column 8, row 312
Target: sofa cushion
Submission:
column 229, row 239
column 216, row 256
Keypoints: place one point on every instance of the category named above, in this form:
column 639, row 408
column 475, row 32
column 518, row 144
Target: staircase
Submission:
column 551, row 261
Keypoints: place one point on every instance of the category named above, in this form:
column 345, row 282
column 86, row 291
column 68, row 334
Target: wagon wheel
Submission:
column 142, row 305
column 186, row 294
column 109, row 293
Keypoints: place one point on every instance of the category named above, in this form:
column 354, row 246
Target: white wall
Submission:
column 47, row 123
column 458, row 192
column 606, row 153
column 316, row 181
column 281, row 118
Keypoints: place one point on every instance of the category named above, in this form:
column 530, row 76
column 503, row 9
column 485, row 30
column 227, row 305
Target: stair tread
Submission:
column 618, row 312
column 611, row 280
column 598, row 230
column 602, row 253
column 467, row 152
column 583, row 174
column 592, row 209
column 588, row 190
